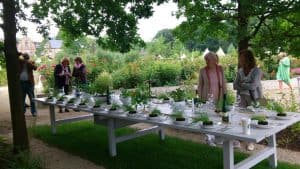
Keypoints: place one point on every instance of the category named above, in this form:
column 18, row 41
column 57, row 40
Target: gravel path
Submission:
column 58, row 159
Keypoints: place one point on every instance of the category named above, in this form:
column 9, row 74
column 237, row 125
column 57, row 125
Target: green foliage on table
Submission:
column 83, row 101
column 259, row 118
column 103, row 82
column 202, row 117
column 129, row 108
column 125, row 93
column 72, row 100
column 140, row 95
column 114, row 106
column 177, row 114
column 163, row 96
column 156, row 111
column 98, row 103
column 178, row 95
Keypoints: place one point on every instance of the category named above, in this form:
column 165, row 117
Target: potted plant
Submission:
column 201, row 118
column 164, row 97
column 101, row 86
column 61, row 99
column 97, row 105
column 179, row 119
column 155, row 114
column 130, row 109
column 71, row 102
column 125, row 96
column 83, row 103
column 261, row 120
column 140, row 96
column 178, row 97
column 115, row 108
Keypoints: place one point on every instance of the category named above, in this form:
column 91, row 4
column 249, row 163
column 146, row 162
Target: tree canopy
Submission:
column 113, row 23
column 250, row 23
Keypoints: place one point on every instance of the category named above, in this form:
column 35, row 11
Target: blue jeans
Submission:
column 28, row 89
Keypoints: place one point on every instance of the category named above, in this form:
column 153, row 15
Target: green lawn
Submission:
column 89, row 141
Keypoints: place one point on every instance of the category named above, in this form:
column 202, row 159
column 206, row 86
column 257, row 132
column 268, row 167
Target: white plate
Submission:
column 180, row 122
column 132, row 114
column 70, row 104
column 157, row 118
column 83, row 106
column 283, row 117
column 262, row 126
column 209, row 126
column 60, row 102
column 98, row 109
column 120, row 111
column 157, row 101
column 49, row 100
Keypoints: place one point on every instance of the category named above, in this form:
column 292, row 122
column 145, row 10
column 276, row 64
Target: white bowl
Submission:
column 157, row 118
column 180, row 122
column 82, row 106
column 263, row 126
column 283, row 117
column 98, row 108
column 118, row 111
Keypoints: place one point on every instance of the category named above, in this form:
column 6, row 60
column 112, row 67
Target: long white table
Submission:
column 228, row 133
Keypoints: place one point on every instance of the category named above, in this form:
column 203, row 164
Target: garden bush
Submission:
column 3, row 79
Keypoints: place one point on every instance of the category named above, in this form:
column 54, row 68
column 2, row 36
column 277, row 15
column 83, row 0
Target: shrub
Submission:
column 102, row 82
column 3, row 79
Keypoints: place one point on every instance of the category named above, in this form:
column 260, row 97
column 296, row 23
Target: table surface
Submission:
column 230, row 131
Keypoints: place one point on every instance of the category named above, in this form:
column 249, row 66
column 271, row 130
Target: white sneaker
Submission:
column 250, row 147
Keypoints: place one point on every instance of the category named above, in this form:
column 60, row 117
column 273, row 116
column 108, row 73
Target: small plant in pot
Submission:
column 125, row 96
column 83, row 102
column 280, row 110
column 164, row 97
column 102, row 85
column 202, row 117
column 179, row 119
column 155, row 114
column 61, row 99
column 131, row 109
column 178, row 95
column 115, row 108
column 140, row 96
column 71, row 102
column 97, row 104
column 261, row 120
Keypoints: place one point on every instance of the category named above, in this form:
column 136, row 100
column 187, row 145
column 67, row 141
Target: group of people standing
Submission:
column 63, row 75
column 212, row 82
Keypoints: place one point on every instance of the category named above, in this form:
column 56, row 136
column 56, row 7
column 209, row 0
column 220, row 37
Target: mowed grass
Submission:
column 90, row 142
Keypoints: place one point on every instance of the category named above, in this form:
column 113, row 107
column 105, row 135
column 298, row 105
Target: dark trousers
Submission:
column 28, row 89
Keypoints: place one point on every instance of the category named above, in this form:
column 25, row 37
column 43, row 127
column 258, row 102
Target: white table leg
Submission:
column 161, row 134
column 273, row 158
column 228, row 154
column 111, row 137
column 52, row 119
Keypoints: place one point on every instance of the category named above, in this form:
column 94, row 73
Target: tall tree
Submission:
column 20, row 137
column 242, row 18
column 114, row 23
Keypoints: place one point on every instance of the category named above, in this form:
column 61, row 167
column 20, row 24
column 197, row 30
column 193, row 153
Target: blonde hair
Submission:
column 65, row 59
column 282, row 54
column 212, row 55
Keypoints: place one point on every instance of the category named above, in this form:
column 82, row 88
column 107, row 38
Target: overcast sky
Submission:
column 161, row 19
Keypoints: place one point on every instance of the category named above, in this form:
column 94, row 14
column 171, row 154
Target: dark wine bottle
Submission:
column 224, row 105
